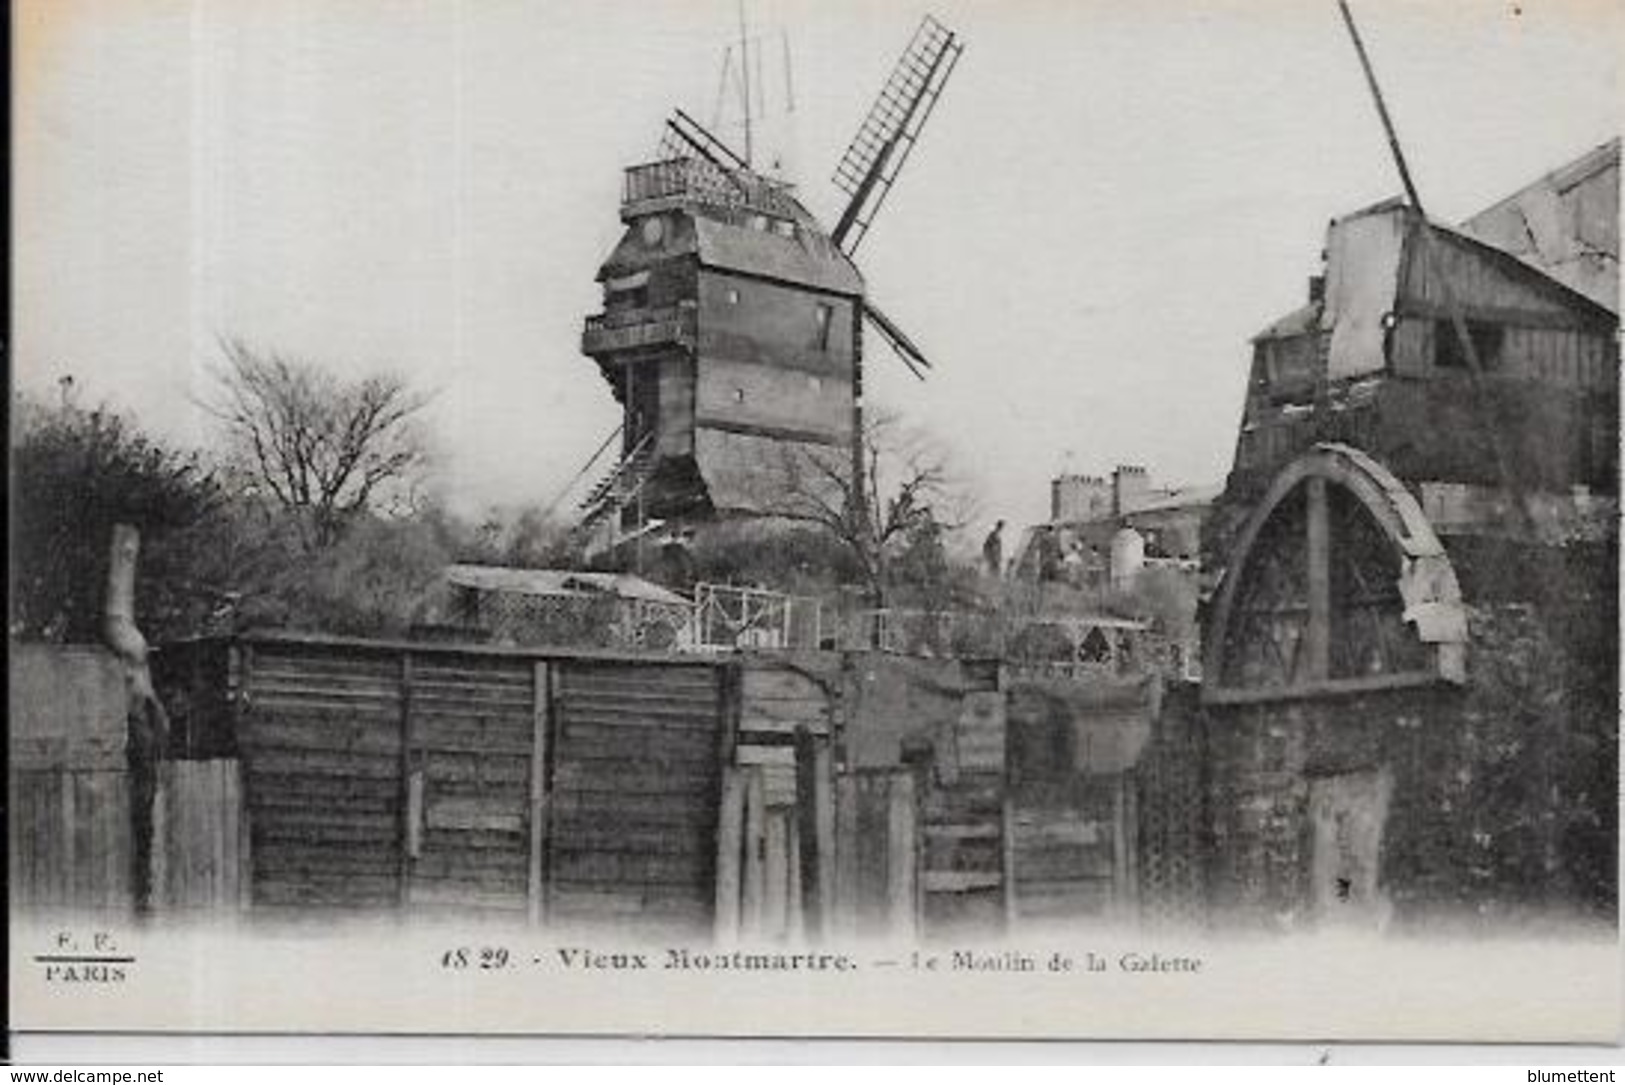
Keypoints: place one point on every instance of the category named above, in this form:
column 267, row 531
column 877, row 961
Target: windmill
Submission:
column 732, row 328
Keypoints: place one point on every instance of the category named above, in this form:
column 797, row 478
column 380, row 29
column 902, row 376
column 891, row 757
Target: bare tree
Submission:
column 909, row 495
column 322, row 447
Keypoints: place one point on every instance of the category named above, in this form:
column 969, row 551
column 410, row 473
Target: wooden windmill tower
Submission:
column 732, row 328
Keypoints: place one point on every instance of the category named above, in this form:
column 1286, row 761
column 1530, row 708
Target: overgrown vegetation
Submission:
column 310, row 511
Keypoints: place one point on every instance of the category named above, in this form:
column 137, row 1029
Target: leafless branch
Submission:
column 321, row 446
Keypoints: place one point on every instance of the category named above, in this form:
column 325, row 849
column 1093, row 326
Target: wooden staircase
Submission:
column 619, row 487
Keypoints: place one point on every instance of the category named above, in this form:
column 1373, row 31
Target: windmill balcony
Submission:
column 608, row 333
column 694, row 180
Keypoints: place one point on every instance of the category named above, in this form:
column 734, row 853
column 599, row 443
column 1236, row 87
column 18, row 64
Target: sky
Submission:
column 1109, row 200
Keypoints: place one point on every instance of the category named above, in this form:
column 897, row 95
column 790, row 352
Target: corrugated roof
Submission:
column 559, row 582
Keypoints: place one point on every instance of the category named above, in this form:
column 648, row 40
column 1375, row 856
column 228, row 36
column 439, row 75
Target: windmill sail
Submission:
column 877, row 153
column 900, row 343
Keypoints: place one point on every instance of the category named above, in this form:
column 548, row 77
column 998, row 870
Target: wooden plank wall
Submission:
column 69, row 834
column 1071, row 851
column 469, row 763
column 322, row 752
column 635, row 795
column 200, row 846
column 964, row 870
column 571, row 791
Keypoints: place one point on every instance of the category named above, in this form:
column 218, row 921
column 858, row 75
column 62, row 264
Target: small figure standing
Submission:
column 993, row 550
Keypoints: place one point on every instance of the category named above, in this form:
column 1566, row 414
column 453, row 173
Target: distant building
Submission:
column 1090, row 513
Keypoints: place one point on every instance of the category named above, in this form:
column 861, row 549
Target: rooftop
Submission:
column 559, row 582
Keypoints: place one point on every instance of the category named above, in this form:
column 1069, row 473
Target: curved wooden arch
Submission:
column 1427, row 580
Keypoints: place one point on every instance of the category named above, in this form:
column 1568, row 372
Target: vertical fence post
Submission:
column 902, row 857
column 730, row 834
column 70, row 838
column 541, row 721
column 158, row 886
column 805, row 869
column 796, row 887
column 823, row 801
column 847, row 890
column 775, row 874
column 1007, row 844
column 755, row 880
column 408, row 830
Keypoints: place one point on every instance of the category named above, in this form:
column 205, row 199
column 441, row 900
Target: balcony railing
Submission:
column 606, row 333
column 697, row 180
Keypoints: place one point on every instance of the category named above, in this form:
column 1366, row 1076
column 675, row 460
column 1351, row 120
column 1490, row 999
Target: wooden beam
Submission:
column 775, row 874
column 1366, row 683
column 823, row 800
column 1007, row 858
column 844, row 915
column 754, row 894
column 159, row 894
column 407, row 829
column 805, row 830
column 797, row 887
column 541, row 724
column 730, row 835
column 902, row 858
column 1317, row 637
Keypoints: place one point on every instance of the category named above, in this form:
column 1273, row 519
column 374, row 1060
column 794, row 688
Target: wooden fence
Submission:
column 657, row 793
column 70, row 841
column 542, row 786
column 200, row 845
column 643, row 792
column 70, row 814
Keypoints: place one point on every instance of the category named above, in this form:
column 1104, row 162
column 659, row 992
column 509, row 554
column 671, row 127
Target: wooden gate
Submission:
column 320, row 739
column 633, row 802
column 472, row 727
